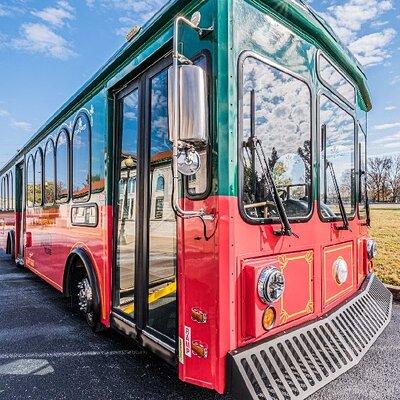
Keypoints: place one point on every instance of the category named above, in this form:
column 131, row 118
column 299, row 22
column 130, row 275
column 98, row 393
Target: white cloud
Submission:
column 395, row 80
column 3, row 11
column 379, row 23
column 393, row 145
column 350, row 18
column 135, row 12
column 9, row 9
column 4, row 113
column 372, row 49
column 387, row 126
column 39, row 38
column 13, row 123
column 390, row 108
column 57, row 15
column 22, row 125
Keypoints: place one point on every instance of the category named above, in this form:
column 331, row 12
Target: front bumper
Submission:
column 298, row 363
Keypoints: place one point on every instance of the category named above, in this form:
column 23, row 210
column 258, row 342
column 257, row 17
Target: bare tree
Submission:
column 378, row 177
column 394, row 179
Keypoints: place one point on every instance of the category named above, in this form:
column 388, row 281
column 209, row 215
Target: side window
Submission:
column 62, row 167
column 276, row 123
column 39, row 178
column 362, row 168
column 49, row 174
column 81, row 154
column 335, row 80
column 7, row 193
column 11, row 191
column 337, row 152
column 30, row 182
column 1, row 194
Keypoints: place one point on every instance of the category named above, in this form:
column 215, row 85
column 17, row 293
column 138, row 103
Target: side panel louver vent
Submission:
column 297, row 364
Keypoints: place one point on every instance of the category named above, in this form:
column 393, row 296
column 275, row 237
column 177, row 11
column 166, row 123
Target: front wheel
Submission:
column 85, row 295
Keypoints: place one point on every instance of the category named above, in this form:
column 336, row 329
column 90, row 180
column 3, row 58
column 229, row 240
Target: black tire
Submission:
column 10, row 249
column 85, row 298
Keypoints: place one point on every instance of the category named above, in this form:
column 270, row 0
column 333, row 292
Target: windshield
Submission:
column 276, row 109
column 337, row 148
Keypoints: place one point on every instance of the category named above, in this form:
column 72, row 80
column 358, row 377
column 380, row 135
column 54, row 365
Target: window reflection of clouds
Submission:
column 38, row 177
column 62, row 166
column 339, row 151
column 280, row 42
column 336, row 80
column 282, row 123
column 130, row 124
column 81, row 157
column 49, row 173
column 159, row 113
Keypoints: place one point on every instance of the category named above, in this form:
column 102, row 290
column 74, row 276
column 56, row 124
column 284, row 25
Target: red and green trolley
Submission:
column 205, row 194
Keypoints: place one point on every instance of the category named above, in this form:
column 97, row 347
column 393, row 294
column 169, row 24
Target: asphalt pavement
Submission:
column 47, row 352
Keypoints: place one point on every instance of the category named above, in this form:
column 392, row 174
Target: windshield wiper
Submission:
column 346, row 226
column 255, row 144
column 367, row 207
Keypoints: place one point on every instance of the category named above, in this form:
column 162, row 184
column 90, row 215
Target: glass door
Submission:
column 161, row 280
column 145, row 236
column 127, row 164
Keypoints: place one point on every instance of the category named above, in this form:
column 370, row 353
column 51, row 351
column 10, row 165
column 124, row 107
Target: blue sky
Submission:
column 48, row 49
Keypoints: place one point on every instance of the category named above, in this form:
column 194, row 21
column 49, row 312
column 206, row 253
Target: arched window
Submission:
column 2, row 193
column 11, row 190
column 30, row 182
column 7, row 193
column 160, row 184
column 49, row 173
column 81, row 155
column 62, row 167
column 39, row 177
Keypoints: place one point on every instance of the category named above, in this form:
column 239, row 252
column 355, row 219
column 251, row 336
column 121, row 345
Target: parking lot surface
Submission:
column 47, row 352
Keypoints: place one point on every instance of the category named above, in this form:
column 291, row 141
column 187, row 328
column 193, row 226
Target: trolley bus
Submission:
column 205, row 194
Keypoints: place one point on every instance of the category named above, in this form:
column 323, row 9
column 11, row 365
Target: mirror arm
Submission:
column 177, row 59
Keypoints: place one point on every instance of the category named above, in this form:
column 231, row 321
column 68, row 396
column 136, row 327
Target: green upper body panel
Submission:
column 238, row 25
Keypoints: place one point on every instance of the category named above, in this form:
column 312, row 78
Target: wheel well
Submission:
column 78, row 265
column 74, row 270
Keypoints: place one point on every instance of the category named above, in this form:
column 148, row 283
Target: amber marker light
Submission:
column 269, row 318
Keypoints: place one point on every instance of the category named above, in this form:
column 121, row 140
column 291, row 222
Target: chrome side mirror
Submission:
column 191, row 85
column 187, row 104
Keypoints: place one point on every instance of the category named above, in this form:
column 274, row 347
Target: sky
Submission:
column 50, row 48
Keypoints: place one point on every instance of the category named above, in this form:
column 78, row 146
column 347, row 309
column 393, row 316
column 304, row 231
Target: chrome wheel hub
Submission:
column 85, row 296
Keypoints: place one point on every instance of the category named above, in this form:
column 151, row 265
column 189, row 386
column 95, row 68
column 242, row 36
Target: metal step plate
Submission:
column 298, row 363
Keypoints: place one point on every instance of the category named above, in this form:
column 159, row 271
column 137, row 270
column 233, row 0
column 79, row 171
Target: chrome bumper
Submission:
column 298, row 363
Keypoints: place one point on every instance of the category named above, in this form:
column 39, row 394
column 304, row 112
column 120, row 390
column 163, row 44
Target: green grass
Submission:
column 386, row 231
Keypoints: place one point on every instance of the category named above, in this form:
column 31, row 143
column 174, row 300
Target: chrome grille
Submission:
column 297, row 364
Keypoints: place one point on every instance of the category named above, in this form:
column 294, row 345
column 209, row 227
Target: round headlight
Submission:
column 340, row 271
column 372, row 249
column 271, row 285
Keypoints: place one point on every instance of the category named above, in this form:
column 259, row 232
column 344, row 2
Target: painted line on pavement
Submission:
column 72, row 354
